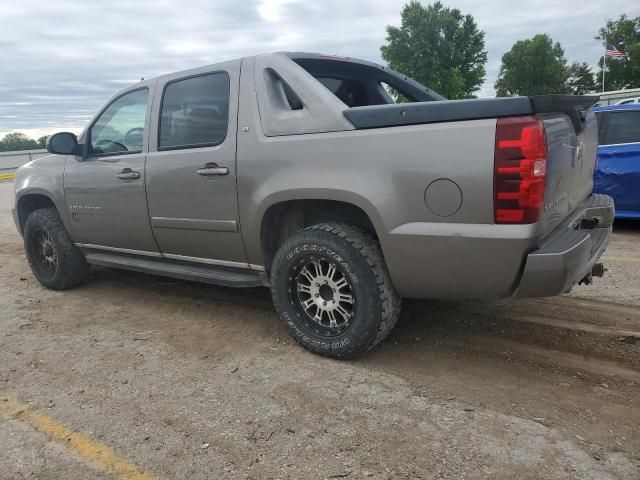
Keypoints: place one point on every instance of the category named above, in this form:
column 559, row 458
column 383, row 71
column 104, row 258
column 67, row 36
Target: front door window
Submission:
column 120, row 128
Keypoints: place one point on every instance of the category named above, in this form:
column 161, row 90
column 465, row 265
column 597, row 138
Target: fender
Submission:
column 251, row 230
column 44, row 176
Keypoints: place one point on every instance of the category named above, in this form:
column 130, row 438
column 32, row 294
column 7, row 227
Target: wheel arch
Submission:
column 29, row 202
column 286, row 217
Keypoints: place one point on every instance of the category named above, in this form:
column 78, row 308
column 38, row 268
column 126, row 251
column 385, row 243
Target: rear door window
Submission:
column 622, row 127
column 194, row 112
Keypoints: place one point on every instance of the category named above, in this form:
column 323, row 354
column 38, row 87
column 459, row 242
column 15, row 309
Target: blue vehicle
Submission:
column 617, row 172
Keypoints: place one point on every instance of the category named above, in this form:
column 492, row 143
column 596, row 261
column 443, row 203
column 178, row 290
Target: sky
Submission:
column 61, row 60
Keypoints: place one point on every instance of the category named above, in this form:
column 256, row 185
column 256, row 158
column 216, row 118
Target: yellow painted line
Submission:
column 95, row 453
column 7, row 176
column 622, row 259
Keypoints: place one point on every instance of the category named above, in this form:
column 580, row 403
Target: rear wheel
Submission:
column 332, row 290
column 54, row 259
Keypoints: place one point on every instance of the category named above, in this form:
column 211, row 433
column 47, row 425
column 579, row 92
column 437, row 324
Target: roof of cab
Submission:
column 296, row 56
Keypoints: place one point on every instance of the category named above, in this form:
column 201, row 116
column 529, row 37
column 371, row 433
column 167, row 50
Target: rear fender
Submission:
column 252, row 232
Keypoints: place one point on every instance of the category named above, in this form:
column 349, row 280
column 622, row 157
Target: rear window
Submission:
column 352, row 92
column 194, row 112
column 622, row 127
column 359, row 84
column 333, row 84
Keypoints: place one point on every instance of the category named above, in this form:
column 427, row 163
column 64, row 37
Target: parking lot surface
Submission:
column 135, row 376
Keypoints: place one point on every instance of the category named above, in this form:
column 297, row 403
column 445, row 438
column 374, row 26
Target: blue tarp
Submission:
column 618, row 175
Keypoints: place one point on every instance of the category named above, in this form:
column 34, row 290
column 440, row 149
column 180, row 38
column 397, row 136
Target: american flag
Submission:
column 613, row 52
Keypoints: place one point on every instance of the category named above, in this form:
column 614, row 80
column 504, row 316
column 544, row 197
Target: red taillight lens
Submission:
column 520, row 170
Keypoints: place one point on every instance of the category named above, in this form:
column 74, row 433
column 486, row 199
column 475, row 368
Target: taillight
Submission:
column 520, row 170
column 333, row 57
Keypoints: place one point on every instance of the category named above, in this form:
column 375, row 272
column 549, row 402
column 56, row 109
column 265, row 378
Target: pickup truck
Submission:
column 339, row 183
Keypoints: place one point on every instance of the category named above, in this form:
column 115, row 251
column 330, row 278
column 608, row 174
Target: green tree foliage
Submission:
column 580, row 81
column 42, row 141
column 534, row 66
column 439, row 47
column 624, row 34
column 17, row 141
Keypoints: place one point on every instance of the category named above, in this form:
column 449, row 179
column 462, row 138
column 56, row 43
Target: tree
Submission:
column 17, row 141
column 42, row 141
column 624, row 34
column 580, row 81
column 439, row 47
column 533, row 67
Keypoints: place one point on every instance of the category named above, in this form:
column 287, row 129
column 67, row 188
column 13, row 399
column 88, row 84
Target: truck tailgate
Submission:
column 570, row 164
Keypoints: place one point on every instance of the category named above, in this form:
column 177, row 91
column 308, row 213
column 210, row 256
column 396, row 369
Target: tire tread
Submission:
column 368, row 247
column 74, row 266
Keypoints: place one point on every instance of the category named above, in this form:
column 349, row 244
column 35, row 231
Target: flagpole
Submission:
column 604, row 60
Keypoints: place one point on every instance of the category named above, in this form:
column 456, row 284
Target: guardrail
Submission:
column 10, row 161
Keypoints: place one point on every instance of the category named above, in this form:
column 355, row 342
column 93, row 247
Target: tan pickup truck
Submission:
column 339, row 183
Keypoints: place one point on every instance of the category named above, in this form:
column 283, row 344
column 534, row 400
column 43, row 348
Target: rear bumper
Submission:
column 569, row 253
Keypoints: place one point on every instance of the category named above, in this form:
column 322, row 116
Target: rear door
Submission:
column 191, row 167
column 618, row 173
column 105, row 192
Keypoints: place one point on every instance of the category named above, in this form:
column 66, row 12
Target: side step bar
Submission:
column 195, row 272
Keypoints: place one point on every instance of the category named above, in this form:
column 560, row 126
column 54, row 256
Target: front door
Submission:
column 105, row 192
column 191, row 167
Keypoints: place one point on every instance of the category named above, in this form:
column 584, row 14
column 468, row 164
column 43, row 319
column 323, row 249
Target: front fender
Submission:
column 44, row 177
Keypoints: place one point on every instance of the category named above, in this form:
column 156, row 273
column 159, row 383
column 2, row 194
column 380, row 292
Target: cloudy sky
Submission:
column 62, row 59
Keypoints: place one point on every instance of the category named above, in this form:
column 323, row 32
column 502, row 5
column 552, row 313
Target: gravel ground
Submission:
column 156, row 369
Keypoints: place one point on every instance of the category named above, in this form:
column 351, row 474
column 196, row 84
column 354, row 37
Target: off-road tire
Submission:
column 358, row 255
column 71, row 268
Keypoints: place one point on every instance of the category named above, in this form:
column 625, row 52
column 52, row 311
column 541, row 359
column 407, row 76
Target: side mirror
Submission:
column 63, row 143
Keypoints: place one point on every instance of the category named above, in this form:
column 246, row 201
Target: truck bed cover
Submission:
column 376, row 116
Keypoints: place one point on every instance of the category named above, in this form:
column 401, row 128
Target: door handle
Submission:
column 128, row 174
column 212, row 169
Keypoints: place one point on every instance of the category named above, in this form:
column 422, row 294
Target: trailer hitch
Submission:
column 597, row 271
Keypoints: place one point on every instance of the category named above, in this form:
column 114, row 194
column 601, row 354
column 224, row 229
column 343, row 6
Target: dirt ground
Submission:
column 188, row 381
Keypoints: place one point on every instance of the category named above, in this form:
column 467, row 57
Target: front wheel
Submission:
column 332, row 290
column 54, row 259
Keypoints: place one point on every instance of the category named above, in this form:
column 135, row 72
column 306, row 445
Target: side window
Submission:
column 120, row 128
column 194, row 112
column 623, row 127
